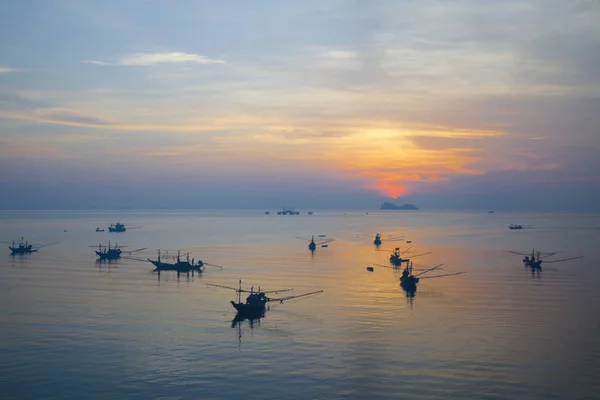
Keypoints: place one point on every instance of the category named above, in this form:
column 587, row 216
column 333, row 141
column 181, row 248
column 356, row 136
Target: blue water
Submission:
column 72, row 328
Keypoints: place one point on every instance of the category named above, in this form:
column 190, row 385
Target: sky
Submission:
column 323, row 104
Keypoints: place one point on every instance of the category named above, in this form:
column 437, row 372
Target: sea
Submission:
column 74, row 328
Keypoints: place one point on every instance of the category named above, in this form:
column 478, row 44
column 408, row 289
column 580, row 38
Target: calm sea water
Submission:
column 72, row 328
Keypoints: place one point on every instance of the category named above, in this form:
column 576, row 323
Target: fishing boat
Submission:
column 408, row 281
column 256, row 301
column 108, row 252
column 112, row 252
column 535, row 259
column 396, row 257
column 179, row 265
column 377, row 241
column 312, row 244
column 288, row 211
column 24, row 247
column 118, row 227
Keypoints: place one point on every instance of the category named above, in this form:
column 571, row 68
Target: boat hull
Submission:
column 18, row 250
column 182, row 267
column 409, row 284
column 249, row 310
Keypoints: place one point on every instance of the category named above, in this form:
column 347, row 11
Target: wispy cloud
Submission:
column 4, row 69
column 148, row 59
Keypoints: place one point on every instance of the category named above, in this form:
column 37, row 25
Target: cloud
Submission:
column 5, row 69
column 148, row 59
column 60, row 116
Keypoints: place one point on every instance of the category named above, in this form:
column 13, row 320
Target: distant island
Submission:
column 392, row 206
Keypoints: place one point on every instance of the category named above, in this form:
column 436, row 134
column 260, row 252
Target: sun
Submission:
column 392, row 190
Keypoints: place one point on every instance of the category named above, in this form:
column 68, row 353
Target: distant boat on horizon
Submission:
column 288, row 211
column 118, row 227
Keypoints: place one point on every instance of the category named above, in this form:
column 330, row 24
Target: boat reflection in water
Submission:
column 109, row 263
column 253, row 320
column 410, row 296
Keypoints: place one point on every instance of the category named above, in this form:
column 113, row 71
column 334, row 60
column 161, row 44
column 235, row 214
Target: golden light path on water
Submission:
column 498, row 331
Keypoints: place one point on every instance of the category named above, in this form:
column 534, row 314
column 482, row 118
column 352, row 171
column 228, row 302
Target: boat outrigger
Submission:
column 256, row 302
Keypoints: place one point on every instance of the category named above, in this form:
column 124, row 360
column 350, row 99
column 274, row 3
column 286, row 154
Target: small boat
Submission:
column 99, row 230
column 396, row 257
column 310, row 213
column 533, row 262
column 112, row 253
column 23, row 247
column 312, row 245
column 185, row 266
column 408, row 281
column 288, row 211
column 267, row 212
column 536, row 258
column 118, row 227
column 514, row 226
column 377, row 241
column 370, row 269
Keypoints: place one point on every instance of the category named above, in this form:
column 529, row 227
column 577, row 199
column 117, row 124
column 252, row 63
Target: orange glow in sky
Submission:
column 393, row 191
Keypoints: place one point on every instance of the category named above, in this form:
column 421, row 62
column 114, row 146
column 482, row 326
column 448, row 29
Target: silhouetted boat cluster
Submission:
column 256, row 302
